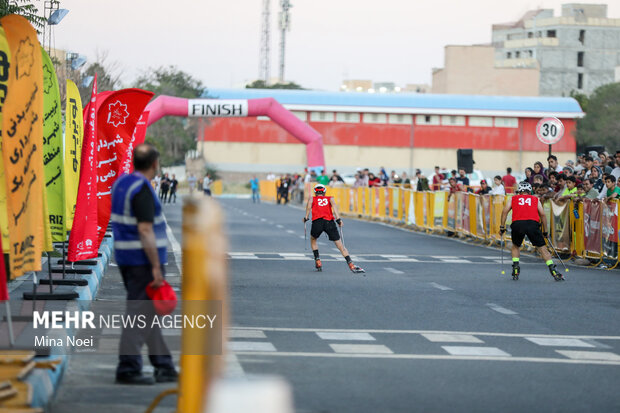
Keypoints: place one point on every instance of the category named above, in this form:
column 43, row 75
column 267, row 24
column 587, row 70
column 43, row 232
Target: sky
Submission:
column 217, row 42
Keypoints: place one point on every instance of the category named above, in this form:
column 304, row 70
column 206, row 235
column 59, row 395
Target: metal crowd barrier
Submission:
column 583, row 228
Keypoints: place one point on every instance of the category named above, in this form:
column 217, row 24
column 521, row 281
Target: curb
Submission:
column 45, row 382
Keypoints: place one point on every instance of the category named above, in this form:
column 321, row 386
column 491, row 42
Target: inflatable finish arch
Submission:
column 173, row 106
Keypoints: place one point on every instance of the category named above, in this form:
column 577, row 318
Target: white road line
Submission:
column 500, row 309
column 302, row 237
column 393, row 270
column 475, row 333
column 455, row 261
column 234, row 333
column 361, row 348
column 237, row 346
column 292, row 254
column 328, row 335
column 279, row 226
column 441, row 287
column 590, row 355
column 452, row 338
column 559, row 342
column 392, row 256
column 263, row 220
column 233, row 367
column 475, row 351
column 435, row 357
column 290, row 231
column 176, row 247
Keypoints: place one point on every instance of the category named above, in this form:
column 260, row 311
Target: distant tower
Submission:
column 263, row 64
column 285, row 25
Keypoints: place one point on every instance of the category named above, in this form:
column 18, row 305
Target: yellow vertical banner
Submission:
column 22, row 141
column 52, row 154
column 5, row 57
column 74, row 134
column 381, row 209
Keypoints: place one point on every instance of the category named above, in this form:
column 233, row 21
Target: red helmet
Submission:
column 164, row 298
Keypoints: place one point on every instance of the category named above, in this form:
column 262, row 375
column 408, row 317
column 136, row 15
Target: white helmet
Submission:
column 319, row 188
column 524, row 187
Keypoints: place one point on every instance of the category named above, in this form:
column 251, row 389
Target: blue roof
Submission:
column 405, row 100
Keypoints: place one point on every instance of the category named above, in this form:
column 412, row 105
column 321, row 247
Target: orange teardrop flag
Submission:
column 22, row 146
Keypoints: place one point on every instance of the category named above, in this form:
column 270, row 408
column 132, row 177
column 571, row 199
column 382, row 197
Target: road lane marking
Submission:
column 590, row 355
column 290, row 231
column 475, row 351
column 451, row 338
column 279, row 226
column 393, row 270
column 258, row 346
column 559, row 342
column 368, row 257
column 361, row 348
column 500, row 309
column 235, row 333
column 441, row 287
column 474, row 333
column 232, row 367
column 433, row 357
column 176, row 247
column 328, row 335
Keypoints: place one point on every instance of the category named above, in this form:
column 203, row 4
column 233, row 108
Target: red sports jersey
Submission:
column 525, row 207
column 322, row 208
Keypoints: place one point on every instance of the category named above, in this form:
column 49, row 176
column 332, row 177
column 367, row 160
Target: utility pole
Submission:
column 263, row 64
column 285, row 25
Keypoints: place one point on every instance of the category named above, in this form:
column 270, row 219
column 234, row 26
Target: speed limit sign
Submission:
column 549, row 130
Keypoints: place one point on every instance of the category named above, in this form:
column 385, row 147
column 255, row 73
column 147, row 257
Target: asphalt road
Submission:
column 432, row 327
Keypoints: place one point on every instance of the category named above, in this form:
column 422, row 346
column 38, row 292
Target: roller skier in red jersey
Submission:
column 527, row 214
column 324, row 211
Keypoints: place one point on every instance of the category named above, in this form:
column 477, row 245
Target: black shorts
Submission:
column 530, row 228
column 322, row 225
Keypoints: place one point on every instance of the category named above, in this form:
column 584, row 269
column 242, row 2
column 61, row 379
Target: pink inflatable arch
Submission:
column 173, row 106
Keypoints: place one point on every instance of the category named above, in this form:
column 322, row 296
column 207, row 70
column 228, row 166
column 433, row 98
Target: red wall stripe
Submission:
column 363, row 134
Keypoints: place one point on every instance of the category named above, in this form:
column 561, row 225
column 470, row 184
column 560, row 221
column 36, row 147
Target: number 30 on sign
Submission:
column 549, row 130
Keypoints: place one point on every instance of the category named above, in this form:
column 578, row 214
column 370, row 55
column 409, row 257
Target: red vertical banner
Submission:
column 139, row 133
column 83, row 237
column 118, row 115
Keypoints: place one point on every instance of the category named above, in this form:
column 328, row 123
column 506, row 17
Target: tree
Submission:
column 601, row 125
column 260, row 84
column 171, row 135
column 23, row 8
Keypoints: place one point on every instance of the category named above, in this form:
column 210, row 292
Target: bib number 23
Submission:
column 322, row 202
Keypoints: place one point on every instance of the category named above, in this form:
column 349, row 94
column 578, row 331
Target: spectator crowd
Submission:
column 593, row 175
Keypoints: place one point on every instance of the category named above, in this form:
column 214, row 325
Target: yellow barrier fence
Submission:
column 586, row 229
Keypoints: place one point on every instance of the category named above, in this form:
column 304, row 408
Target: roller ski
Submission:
column 555, row 274
column 355, row 269
column 516, row 270
column 318, row 265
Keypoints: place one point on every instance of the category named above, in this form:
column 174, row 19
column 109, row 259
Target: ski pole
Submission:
column 502, row 253
column 341, row 235
column 305, row 236
column 556, row 253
